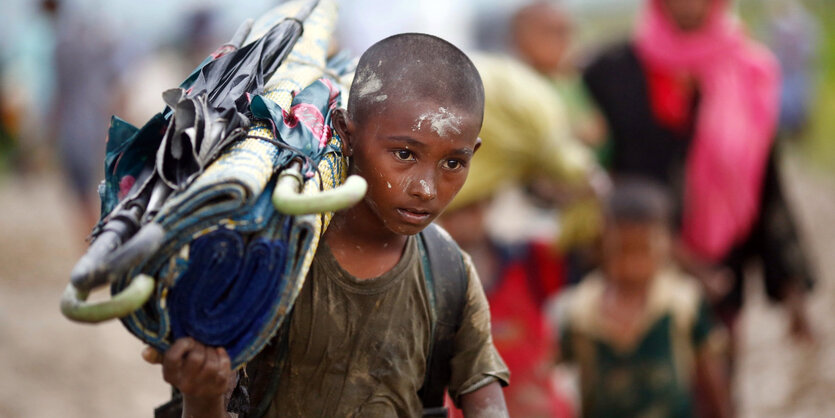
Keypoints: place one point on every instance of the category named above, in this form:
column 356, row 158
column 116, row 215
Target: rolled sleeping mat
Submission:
column 228, row 212
column 229, row 266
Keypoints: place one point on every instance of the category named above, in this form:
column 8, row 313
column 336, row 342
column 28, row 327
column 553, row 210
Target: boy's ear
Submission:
column 344, row 127
column 477, row 144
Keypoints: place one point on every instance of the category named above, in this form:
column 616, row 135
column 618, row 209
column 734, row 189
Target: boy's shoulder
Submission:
column 579, row 303
column 450, row 278
column 680, row 295
column 678, row 287
column 437, row 239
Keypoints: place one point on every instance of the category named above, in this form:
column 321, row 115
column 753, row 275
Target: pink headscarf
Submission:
column 735, row 125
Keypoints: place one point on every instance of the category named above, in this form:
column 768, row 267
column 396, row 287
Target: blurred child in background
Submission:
column 525, row 137
column 543, row 35
column 640, row 331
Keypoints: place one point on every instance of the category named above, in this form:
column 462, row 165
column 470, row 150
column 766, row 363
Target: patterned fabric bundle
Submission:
column 229, row 265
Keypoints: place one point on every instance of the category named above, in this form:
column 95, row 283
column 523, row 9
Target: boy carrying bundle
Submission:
column 363, row 331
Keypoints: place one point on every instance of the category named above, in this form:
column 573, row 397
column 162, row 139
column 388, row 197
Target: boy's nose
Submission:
column 423, row 188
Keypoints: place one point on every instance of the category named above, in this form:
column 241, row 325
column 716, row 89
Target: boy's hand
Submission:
column 151, row 355
column 203, row 374
column 198, row 371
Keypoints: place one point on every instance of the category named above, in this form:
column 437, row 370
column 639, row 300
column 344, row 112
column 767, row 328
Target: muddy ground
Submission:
column 55, row 368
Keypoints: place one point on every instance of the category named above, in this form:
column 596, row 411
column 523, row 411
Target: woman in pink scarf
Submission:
column 692, row 102
column 735, row 125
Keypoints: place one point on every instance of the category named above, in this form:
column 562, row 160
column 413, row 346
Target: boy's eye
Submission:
column 453, row 164
column 404, row 155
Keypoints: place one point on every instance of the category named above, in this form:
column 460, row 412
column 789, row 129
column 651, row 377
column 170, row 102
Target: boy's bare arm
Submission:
column 203, row 375
column 487, row 402
column 713, row 379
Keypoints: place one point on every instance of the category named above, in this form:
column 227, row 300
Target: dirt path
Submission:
column 779, row 378
column 55, row 368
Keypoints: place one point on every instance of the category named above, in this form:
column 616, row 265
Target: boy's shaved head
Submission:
column 414, row 66
column 410, row 129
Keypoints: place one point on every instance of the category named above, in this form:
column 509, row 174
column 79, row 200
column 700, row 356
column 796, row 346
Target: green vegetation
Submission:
column 818, row 142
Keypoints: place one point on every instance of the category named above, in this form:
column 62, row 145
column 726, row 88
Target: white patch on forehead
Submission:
column 369, row 83
column 380, row 98
column 388, row 184
column 441, row 122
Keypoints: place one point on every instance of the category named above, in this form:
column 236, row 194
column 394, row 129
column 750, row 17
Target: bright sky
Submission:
column 26, row 36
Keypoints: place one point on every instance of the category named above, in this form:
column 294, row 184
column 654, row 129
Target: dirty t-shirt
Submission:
column 360, row 347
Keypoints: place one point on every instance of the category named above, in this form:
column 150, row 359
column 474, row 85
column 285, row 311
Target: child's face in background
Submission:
column 415, row 157
column 543, row 38
column 633, row 252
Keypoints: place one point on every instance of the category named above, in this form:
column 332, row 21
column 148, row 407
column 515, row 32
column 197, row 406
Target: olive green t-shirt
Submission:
column 360, row 347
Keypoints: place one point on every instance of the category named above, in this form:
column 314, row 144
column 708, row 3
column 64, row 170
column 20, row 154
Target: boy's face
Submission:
column 415, row 157
column 633, row 252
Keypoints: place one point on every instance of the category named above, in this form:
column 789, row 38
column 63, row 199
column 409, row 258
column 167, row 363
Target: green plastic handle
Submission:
column 75, row 307
column 288, row 200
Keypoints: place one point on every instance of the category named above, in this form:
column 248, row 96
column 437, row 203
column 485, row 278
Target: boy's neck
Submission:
column 636, row 292
column 362, row 248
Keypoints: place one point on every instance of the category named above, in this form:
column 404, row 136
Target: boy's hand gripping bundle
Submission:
column 213, row 210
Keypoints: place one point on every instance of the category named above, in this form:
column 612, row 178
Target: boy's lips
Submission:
column 414, row 216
